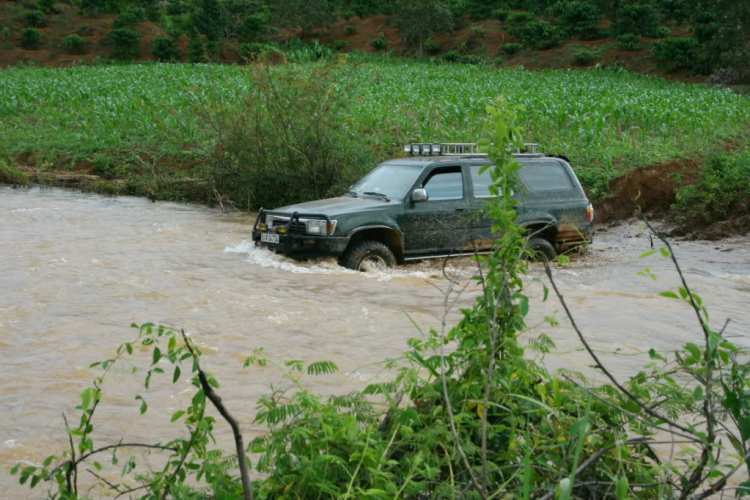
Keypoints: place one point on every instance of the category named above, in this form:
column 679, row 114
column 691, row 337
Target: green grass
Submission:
column 606, row 122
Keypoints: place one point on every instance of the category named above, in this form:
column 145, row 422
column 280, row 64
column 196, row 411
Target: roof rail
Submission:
column 457, row 149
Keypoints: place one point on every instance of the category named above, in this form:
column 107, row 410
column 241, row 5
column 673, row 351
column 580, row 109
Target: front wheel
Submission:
column 368, row 255
column 542, row 249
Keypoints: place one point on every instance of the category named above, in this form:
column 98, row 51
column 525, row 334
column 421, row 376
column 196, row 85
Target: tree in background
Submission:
column 305, row 14
column 210, row 19
column 418, row 20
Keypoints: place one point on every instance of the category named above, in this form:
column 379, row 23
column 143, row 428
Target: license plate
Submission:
column 269, row 238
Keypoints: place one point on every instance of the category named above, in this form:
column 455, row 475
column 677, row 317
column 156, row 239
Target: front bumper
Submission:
column 299, row 245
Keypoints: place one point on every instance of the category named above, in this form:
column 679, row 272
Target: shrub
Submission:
column 9, row 175
column 431, row 47
column 705, row 33
column 471, row 59
column 501, row 14
column 663, row 32
column 175, row 32
column 30, row 38
column 339, row 45
column 350, row 30
column 35, row 19
column 49, row 6
column 5, row 34
column 124, row 20
column 704, row 17
column 520, row 18
column 165, row 49
column 584, row 57
column 254, row 28
column 479, row 9
column 682, row 52
column 251, row 51
column 721, row 188
column 85, row 30
column 580, row 19
column 74, row 44
column 477, row 32
column 511, row 49
column 638, row 18
column 195, row 51
column 539, row 34
column 451, row 56
column 379, row 44
column 127, row 43
column 629, row 41
column 346, row 15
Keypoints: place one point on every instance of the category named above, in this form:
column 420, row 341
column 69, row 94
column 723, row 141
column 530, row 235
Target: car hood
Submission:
column 333, row 207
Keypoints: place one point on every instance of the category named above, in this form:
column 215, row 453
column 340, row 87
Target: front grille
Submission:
column 296, row 227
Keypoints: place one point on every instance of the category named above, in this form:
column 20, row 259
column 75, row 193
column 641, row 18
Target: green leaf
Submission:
column 172, row 343
column 176, row 375
column 97, row 466
column 177, row 415
column 745, row 428
column 129, row 348
column 665, row 252
column 144, row 406
column 646, row 254
column 621, row 488
column 698, row 393
column 157, row 356
column 670, row 295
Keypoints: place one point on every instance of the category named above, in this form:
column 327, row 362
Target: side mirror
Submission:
column 419, row 195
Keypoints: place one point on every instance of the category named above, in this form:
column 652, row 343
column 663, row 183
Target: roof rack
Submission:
column 457, row 149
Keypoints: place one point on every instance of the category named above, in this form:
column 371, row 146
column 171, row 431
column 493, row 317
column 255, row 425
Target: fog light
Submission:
column 282, row 229
column 262, row 227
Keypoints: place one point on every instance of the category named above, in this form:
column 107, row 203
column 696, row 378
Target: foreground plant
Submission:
column 469, row 413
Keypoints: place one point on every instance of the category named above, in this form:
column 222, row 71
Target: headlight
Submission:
column 320, row 227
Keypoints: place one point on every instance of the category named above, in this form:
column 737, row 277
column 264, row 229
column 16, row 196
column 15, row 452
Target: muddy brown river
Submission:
column 77, row 269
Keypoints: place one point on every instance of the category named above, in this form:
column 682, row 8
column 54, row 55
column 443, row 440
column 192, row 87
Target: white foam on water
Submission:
column 266, row 258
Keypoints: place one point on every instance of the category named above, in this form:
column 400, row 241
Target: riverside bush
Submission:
column 520, row 18
column 379, row 44
column 501, row 14
column 49, row 7
column 578, row 19
column 431, row 47
column 340, row 45
column 350, row 30
column 584, row 57
column 125, row 20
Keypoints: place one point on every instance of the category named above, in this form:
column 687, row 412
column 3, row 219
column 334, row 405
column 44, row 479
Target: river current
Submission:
column 77, row 269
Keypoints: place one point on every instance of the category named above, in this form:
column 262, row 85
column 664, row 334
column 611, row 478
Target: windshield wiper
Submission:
column 352, row 194
column 377, row 195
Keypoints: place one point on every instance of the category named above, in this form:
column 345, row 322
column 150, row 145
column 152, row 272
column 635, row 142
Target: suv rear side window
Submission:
column 445, row 184
column 481, row 182
column 546, row 176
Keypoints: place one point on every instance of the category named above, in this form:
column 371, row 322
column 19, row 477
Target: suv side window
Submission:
column 481, row 182
column 445, row 184
column 546, row 176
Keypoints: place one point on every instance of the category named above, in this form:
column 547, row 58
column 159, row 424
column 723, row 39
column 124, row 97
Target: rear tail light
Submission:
column 590, row 214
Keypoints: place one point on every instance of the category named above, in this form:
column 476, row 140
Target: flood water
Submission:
column 77, row 269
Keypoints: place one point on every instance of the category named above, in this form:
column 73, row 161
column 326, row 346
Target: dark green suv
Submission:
column 430, row 206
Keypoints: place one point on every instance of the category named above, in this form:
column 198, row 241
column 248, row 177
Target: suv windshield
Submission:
column 389, row 180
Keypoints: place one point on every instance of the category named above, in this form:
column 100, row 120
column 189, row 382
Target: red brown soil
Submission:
column 651, row 188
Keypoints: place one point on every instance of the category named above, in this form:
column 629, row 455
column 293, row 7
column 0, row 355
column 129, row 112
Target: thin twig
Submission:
column 105, row 448
column 216, row 400
column 599, row 364
column 113, row 486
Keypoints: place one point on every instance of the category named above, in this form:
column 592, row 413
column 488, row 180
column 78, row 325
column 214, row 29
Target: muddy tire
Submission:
column 543, row 249
column 368, row 255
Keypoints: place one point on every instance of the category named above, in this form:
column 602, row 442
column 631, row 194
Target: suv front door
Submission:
column 440, row 224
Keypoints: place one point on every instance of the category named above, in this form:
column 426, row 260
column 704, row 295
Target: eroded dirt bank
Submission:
column 78, row 269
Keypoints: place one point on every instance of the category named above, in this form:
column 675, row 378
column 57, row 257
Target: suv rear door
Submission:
column 553, row 194
column 481, row 226
column 440, row 224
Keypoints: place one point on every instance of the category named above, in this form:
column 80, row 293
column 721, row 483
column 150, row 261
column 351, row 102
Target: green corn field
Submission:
column 606, row 121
